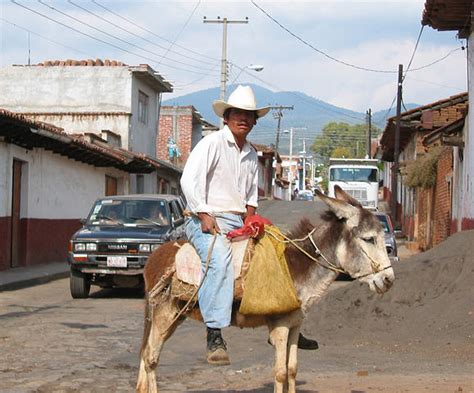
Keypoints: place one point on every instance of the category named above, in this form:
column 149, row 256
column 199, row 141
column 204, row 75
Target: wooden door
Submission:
column 16, row 209
column 110, row 185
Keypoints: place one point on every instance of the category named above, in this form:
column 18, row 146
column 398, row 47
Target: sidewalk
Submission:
column 22, row 277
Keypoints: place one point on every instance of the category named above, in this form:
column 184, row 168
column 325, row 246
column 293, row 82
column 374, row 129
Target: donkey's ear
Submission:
column 343, row 196
column 341, row 209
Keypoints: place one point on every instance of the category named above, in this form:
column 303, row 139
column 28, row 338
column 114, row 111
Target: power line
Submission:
column 343, row 62
column 182, row 29
column 113, row 36
column 98, row 39
column 301, row 97
column 437, row 61
column 43, row 37
column 414, row 51
column 316, row 49
column 149, row 31
column 138, row 36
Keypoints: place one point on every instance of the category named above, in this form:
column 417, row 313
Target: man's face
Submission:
column 241, row 121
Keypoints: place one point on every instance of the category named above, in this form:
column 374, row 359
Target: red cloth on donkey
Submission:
column 254, row 226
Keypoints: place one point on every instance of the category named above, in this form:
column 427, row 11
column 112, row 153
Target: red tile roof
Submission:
column 88, row 62
column 423, row 118
column 448, row 15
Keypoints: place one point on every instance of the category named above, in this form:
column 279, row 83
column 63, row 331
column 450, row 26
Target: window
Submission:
column 142, row 107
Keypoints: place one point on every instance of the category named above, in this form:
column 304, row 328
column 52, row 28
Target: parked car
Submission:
column 389, row 233
column 119, row 234
column 305, row 195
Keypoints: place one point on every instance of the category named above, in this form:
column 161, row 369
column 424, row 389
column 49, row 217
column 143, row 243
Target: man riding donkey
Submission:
column 220, row 183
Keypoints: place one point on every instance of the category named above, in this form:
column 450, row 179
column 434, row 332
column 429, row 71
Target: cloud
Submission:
column 369, row 34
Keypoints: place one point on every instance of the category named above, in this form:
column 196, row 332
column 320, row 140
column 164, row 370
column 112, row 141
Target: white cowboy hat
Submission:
column 242, row 98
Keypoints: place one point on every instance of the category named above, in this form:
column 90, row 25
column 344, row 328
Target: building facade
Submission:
column 48, row 182
column 117, row 102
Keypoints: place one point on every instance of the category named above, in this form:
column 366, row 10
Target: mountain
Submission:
column 308, row 112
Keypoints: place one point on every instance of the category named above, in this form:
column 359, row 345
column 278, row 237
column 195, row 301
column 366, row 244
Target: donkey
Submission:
column 350, row 239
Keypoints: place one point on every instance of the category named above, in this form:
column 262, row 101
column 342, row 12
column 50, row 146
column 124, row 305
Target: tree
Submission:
column 343, row 140
column 341, row 152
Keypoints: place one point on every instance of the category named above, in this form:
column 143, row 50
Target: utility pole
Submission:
column 396, row 149
column 369, row 136
column 278, row 115
column 304, row 165
column 224, row 22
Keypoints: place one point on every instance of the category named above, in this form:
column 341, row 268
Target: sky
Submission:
column 344, row 52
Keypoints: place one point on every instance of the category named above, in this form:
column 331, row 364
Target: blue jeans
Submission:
column 217, row 290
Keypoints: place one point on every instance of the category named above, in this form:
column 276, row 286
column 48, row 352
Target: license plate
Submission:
column 117, row 261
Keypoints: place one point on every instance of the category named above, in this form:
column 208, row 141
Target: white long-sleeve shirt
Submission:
column 219, row 177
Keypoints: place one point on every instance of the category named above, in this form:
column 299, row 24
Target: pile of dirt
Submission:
column 431, row 302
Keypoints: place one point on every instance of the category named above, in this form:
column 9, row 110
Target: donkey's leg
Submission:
column 279, row 339
column 293, row 358
column 162, row 325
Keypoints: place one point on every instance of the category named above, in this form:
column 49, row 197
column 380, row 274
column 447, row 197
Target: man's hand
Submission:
column 208, row 223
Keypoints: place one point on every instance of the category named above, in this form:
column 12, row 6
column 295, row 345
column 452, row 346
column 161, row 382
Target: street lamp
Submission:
column 253, row 67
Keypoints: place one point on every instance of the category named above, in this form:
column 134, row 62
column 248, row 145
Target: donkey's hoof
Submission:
column 218, row 357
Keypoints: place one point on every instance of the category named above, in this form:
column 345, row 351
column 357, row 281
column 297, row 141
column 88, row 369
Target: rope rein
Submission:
column 294, row 242
column 330, row 266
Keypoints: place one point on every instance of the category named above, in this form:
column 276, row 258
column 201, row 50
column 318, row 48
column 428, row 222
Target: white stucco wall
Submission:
column 143, row 136
column 65, row 89
column 468, row 162
column 53, row 186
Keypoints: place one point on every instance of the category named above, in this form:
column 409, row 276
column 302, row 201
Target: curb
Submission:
column 32, row 281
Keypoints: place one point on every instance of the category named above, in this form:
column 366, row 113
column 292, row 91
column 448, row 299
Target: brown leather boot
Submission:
column 216, row 348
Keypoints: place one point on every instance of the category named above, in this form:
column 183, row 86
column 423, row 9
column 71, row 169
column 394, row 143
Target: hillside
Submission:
column 308, row 112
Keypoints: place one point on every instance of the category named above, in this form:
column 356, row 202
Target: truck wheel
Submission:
column 79, row 284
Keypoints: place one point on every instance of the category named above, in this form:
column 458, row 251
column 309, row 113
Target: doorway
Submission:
column 16, row 214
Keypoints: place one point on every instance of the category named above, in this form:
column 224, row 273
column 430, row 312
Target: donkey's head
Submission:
column 360, row 251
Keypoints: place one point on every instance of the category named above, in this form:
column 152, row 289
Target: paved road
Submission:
column 52, row 343
column 286, row 214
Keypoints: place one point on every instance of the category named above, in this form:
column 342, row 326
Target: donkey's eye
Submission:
column 370, row 240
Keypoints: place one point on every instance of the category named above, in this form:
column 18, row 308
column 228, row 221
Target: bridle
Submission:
column 328, row 264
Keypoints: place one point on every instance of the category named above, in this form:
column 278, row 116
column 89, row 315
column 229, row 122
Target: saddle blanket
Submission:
column 189, row 267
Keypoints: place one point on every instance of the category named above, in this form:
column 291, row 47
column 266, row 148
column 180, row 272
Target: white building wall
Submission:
column 53, row 186
column 143, row 136
column 65, row 89
column 468, row 161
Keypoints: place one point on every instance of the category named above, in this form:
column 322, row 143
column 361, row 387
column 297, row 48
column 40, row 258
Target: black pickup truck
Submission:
column 117, row 237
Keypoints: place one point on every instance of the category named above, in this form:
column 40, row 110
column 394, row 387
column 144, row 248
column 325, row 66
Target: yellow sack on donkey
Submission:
column 268, row 287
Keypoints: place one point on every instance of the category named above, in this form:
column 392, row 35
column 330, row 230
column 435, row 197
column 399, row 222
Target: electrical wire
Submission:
column 43, row 37
column 182, row 29
column 113, row 36
column 301, row 97
column 437, row 61
column 319, row 50
column 414, row 51
column 149, row 31
column 343, row 62
column 98, row 39
column 138, row 36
